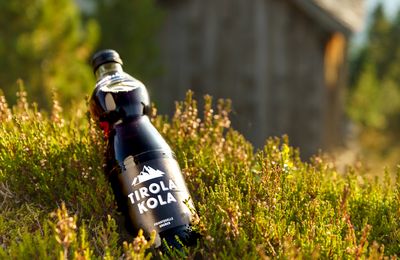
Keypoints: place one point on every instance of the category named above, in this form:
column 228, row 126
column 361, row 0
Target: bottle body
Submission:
column 148, row 185
column 152, row 187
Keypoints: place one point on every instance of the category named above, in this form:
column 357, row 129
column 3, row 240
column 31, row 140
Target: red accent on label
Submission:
column 105, row 126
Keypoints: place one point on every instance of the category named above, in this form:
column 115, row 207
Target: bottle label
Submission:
column 156, row 194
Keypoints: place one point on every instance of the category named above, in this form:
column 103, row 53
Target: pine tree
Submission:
column 375, row 49
column 44, row 43
column 375, row 81
column 394, row 49
column 379, row 39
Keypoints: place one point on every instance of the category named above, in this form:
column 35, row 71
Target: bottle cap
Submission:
column 105, row 56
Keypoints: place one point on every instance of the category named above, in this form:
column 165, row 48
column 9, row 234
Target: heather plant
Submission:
column 56, row 203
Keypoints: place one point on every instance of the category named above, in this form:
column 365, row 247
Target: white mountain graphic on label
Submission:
column 146, row 174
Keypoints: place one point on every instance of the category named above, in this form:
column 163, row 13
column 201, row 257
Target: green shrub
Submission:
column 56, row 203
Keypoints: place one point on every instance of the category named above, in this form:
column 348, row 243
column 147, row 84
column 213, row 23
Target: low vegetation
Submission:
column 56, row 203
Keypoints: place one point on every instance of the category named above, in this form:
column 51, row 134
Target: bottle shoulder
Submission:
column 119, row 96
column 116, row 82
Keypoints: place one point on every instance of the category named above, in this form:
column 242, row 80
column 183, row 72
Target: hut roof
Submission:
column 346, row 16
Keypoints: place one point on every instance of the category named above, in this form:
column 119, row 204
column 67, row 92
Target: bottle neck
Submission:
column 107, row 69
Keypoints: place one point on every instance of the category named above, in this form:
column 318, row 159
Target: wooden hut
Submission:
column 281, row 62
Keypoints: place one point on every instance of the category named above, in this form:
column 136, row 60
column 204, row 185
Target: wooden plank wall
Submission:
column 265, row 55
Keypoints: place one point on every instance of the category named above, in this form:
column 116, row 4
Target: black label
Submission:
column 156, row 194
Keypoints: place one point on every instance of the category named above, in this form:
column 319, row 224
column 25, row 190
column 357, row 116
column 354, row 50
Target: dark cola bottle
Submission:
column 148, row 184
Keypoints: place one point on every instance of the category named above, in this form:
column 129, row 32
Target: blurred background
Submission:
column 325, row 72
